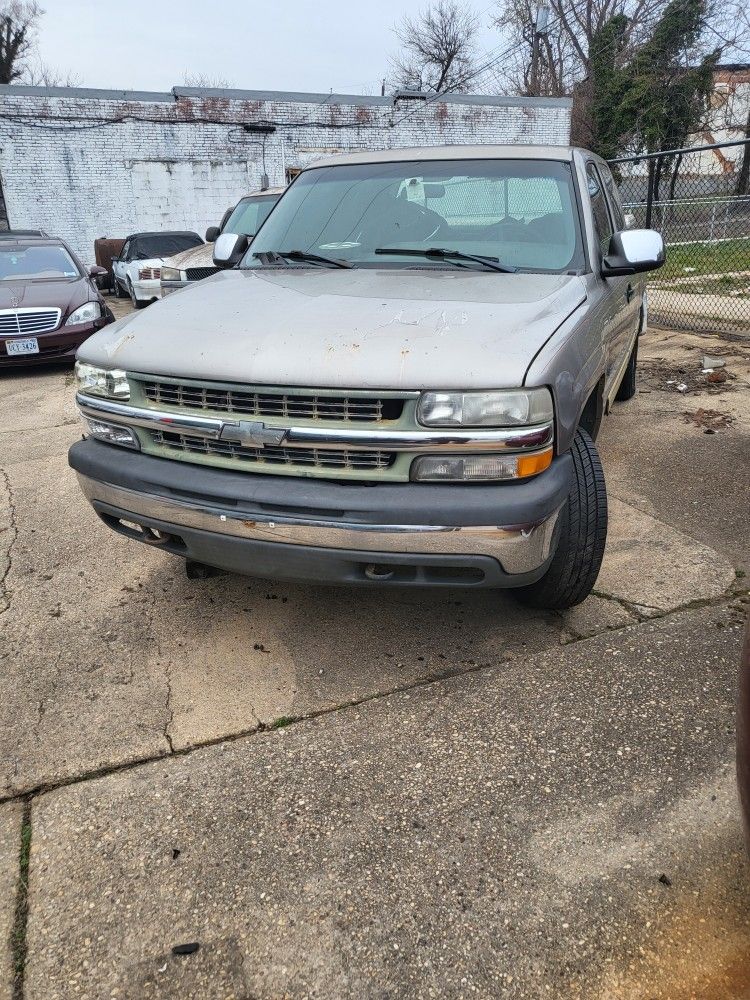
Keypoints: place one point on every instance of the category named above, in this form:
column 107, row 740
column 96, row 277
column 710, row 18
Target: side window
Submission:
column 614, row 198
column 125, row 250
column 602, row 222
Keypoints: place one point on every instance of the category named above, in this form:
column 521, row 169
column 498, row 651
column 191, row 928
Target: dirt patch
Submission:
column 709, row 421
column 686, row 378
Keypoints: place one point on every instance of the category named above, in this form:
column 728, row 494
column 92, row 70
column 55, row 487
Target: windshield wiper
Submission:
column 442, row 254
column 302, row 255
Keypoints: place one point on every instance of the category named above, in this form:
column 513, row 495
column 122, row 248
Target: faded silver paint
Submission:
column 361, row 328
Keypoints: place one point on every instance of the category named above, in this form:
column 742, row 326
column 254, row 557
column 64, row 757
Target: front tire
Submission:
column 628, row 384
column 582, row 535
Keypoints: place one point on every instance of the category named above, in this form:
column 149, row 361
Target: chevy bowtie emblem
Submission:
column 252, row 433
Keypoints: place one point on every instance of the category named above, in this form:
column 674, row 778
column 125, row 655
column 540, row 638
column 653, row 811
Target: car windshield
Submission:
column 164, row 244
column 250, row 214
column 523, row 213
column 41, row 263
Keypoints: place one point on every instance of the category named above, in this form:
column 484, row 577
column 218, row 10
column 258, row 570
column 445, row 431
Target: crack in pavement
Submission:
column 12, row 530
column 165, row 664
column 448, row 674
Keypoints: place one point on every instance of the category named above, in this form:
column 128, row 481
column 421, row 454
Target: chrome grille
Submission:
column 28, row 321
column 198, row 273
column 273, row 404
column 320, row 458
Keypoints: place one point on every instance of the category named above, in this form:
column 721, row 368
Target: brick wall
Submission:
column 84, row 163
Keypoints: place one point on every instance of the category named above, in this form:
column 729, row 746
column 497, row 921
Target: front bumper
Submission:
column 56, row 345
column 499, row 535
column 173, row 286
column 147, row 290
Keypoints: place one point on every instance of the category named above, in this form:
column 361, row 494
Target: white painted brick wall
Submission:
column 86, row 164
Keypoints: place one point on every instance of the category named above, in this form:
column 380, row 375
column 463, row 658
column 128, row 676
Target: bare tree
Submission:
column 39, row 74
column 565, row 49
column 19, row 20
column 438, row 49
column 206, row 80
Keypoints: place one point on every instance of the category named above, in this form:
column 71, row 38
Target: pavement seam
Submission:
column 261, row 727
column 20, row 920
column 13, row 530
column 43, row 427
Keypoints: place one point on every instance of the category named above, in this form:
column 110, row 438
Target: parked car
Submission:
column 246, row 218
column 49, row 302
column 400, row 381
column 137, row 269
column 13, row 234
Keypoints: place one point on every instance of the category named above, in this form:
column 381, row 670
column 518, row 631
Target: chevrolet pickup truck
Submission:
column 399, row 383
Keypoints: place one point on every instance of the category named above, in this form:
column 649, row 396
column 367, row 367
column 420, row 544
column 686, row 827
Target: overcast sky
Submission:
column 277, row 45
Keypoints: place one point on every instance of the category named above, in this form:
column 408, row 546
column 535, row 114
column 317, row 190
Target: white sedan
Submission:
column 137, row 270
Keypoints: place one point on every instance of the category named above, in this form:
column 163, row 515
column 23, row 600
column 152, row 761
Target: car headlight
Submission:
column 93, row 381
column 502, row 408
column 86, row 313
column 171, row 274
column 467, row 468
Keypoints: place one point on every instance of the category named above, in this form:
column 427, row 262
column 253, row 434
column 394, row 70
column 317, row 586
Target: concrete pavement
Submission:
column 502, row 833
column 10, row 850
column 111, row 658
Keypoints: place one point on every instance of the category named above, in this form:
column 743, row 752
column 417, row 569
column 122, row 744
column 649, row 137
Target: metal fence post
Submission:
column 650, row 192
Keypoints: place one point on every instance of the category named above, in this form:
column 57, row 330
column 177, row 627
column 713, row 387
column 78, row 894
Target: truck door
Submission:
column 616, row 326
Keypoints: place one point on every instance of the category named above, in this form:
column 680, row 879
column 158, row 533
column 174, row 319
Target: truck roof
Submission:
column 486, row 152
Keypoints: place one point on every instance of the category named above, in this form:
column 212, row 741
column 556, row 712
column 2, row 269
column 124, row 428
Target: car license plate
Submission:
column 28, row 346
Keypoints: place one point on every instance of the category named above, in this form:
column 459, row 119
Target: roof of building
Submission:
column 458, row 152
column 401, row 99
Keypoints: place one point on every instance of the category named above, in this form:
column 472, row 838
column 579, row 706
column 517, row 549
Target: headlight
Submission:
column 463, row 468
column 171, row 274
column 95, row 381
column 503, row 408
column 86, row 313
column 111, row 433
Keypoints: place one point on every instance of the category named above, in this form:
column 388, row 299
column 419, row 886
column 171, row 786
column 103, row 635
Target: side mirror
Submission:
column 97, row 272
column 211, row 233
column 229, row 249
column 633, row 251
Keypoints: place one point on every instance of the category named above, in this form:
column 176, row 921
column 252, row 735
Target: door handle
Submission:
column 629, row 292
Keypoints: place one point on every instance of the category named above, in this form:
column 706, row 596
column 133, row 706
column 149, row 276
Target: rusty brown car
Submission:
column 49, row 302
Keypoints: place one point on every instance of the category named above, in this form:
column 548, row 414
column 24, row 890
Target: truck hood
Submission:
column 363, row 328
column 202, row 256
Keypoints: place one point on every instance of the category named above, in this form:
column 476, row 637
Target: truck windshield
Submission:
column 522, row 213
column 250, row 214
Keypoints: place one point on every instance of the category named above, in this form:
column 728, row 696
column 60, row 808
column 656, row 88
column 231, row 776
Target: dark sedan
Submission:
column 49, row 303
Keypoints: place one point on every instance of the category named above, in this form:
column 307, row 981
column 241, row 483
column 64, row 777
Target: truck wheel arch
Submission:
column 593, row 410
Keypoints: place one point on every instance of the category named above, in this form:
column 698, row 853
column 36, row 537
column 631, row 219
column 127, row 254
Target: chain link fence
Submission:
column 699, row 200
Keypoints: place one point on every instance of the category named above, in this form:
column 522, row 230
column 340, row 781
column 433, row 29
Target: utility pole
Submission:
column 541, row 27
